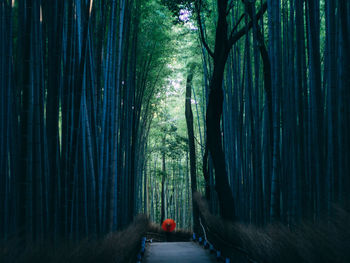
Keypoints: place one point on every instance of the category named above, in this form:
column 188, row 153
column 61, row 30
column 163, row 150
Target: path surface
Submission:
column 177, row 252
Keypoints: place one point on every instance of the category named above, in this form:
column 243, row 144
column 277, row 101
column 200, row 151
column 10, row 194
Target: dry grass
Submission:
column 118, row 247
column 327, row 242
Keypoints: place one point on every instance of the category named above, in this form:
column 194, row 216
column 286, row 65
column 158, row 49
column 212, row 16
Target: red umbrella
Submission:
column 168, row 225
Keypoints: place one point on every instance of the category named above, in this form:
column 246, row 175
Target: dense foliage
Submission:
column 92, row 112
column 284, row 105
column 77, row 85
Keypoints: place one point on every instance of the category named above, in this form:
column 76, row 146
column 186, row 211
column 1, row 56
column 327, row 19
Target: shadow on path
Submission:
column 175, row 252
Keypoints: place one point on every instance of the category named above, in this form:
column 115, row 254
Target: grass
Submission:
column 323, row 242
column 118, row 247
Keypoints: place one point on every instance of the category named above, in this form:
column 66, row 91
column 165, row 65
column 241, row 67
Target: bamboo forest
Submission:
column 231, row 118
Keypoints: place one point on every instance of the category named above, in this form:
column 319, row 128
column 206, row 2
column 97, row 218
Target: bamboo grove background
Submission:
column 286, row 111
column 87, row 140
column 76, row 92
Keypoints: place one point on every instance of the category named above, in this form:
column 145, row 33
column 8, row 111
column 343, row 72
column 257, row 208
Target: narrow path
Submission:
column 176, row 252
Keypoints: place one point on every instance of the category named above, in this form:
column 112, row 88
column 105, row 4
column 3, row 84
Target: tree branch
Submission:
column 205, row 44
column 235, row 27
column 234, row 37
column 231, row 5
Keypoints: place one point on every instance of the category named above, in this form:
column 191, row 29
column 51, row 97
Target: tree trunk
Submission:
column 192, row 149
column 162, row 215
column 214, row 114
column 24, row 178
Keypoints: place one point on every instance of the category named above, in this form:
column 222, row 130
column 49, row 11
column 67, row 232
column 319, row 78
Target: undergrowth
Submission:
column 117, row 247
column 325, row 242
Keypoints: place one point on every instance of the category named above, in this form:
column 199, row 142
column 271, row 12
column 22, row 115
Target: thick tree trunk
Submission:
column 214, row 137
column 214, row 114
column 223, row 45
column 206, row 174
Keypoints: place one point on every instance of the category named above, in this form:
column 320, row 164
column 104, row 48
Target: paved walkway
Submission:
column 177, row 252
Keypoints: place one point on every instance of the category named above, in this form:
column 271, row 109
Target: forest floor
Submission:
column 173, row 252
